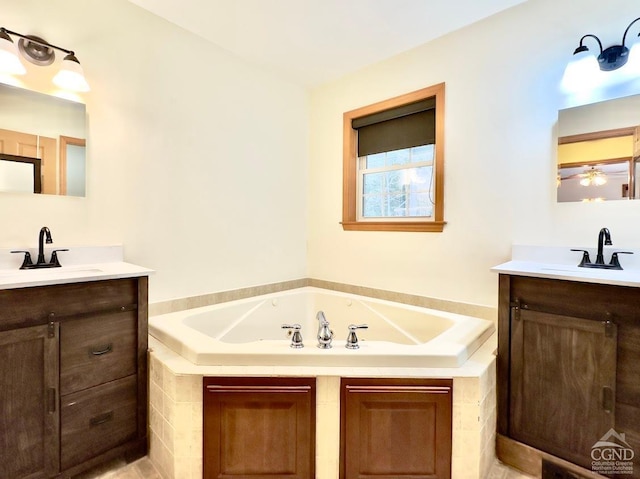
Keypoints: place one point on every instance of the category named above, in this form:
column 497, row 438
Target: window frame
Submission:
column 350, row 193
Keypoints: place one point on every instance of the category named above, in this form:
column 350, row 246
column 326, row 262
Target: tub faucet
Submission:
column 325, row 335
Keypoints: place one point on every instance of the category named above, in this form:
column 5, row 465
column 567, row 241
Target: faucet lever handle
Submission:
column 353, row 327
column 585, row 256
column 352, row 338
column 54, row 257
column 615, row 261
column 296, row 336
column 27, row 258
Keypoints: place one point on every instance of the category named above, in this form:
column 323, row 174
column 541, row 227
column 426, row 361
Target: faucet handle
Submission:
column 54, row 257
column 352, row 338
column 27, row 259
column 296, row 336
column 353, row 327
column 585, row 257
column 615, row 262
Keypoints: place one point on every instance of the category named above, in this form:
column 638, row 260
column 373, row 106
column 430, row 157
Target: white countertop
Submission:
column 555, row 262
column 79, row 264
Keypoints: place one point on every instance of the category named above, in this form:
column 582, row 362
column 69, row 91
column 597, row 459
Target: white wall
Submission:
column 197, row 161
column 173, row 175
column 502, row 80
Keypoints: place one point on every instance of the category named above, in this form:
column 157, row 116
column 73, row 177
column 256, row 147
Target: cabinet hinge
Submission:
column 51, row 399
column 51, row 330
column 515, row 309
column 608, row 329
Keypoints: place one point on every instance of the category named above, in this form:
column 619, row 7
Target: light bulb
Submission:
column 582, row 74
column 9, row 60
column 71, row 76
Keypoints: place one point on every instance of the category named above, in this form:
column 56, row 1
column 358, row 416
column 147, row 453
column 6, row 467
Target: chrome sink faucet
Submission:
column 325, row 335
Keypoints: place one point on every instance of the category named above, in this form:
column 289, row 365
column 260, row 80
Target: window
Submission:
column 393, row 164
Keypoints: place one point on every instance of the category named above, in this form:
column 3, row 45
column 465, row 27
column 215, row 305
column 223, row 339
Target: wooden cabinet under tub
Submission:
column 73, row 369
column 395, row 428
column 568, row 369
column 259, row 427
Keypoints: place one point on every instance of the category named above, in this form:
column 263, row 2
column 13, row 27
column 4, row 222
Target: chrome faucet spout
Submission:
column 325, row 335
column 44, row 232
column 604, row 238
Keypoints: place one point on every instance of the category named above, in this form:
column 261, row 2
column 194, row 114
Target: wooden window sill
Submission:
column 410, row 226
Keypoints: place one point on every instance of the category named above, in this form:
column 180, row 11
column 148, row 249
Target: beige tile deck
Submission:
column 143, row 469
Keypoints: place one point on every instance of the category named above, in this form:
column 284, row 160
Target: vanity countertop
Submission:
column 81, row 264
column 561, row 263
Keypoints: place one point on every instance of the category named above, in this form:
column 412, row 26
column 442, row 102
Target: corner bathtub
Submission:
column 248, row 332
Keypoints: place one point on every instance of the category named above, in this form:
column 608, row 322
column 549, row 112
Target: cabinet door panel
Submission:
column 259, row 428
column 97, row 350
column 396, row 429
column 563, row 379
column 28, row 409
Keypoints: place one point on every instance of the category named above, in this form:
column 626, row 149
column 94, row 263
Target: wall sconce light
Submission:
column 610, row 58
column 41, row 53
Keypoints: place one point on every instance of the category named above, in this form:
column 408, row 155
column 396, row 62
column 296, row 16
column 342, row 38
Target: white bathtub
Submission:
column 248, row 332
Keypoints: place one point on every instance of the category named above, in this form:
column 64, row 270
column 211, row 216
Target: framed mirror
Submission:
column 598, row 151
column 45, row 130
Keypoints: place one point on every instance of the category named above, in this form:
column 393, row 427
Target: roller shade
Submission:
column 403, row 127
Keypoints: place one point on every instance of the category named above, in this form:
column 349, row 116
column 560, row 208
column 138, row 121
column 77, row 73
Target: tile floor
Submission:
column 143, row 469
column 118, row 469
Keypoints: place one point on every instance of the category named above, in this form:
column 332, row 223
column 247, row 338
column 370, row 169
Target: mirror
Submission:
column 43, row 133
column 599, row 151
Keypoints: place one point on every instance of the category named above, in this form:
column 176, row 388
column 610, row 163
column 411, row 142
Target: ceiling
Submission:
column 316, row 41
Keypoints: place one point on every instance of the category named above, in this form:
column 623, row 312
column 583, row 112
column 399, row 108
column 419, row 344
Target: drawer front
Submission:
column 582, row 300
column 97, row 350
column 25, row 307
column 96, row 420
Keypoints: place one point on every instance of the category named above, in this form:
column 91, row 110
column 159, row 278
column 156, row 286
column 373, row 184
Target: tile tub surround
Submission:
column 175, row 396
column 181, row 304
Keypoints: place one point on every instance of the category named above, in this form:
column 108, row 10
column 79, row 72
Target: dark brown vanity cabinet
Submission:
column 259, row 427
column 568, row 370
column 395, row 428
column 73, row 368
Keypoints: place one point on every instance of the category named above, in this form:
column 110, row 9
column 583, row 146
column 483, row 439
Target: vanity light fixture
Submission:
column 610, row 58
column 41, row 53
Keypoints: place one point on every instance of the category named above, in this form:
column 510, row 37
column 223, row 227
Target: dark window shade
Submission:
column 394, row 134
column 405, row 126
column 393, row 113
